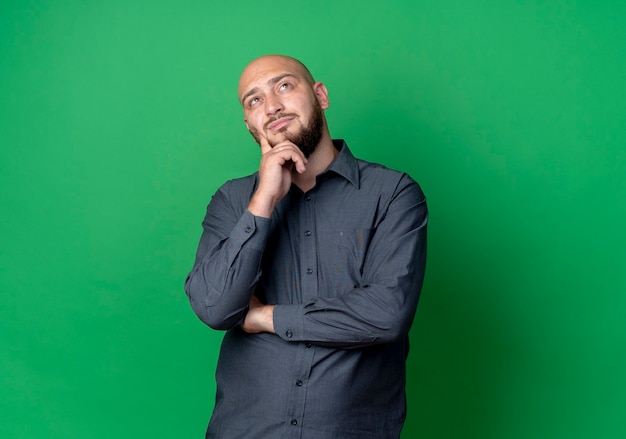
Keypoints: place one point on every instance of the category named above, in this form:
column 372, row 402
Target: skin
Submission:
column 278, row 97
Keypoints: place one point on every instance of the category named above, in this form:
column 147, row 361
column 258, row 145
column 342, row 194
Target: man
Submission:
column 313, row 266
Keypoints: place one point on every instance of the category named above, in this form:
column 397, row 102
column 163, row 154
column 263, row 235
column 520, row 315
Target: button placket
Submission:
column 308, row 247
column 307, row 258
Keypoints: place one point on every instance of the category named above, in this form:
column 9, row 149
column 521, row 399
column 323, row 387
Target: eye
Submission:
column 252, row 102
column 284, row 86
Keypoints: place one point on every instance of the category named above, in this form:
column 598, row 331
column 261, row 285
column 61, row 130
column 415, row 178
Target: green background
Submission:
column 119, row 119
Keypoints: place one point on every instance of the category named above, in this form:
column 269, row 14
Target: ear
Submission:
column 246, row 122
column 322, row 95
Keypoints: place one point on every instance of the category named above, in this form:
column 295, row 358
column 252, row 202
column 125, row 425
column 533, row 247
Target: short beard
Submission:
column 310, row 136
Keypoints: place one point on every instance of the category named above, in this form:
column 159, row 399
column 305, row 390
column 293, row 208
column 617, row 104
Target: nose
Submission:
column 273, row 105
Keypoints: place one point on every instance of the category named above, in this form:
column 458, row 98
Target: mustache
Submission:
column 276, row 117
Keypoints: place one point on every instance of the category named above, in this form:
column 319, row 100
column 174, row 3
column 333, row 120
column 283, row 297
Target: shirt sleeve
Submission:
column 228, row 262
column 382, row 307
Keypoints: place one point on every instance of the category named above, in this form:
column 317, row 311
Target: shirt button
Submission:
column 309, row 271
column 307, row 233
column 294, row 422
column 248, row 229
column 299, row 383
column 289, row 334
column 308, row 345
column 307, row 198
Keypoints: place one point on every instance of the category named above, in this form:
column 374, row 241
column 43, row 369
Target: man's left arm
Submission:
column 380, row 309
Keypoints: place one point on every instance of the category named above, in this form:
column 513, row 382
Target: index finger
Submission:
column 265, row 145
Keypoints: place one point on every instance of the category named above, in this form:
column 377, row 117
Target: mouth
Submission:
column 280, row 123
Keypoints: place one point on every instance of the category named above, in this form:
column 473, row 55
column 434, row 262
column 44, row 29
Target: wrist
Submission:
column 268, row 319
column 260, row 318
column 261, row 206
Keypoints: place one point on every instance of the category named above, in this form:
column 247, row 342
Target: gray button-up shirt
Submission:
column 344, row 265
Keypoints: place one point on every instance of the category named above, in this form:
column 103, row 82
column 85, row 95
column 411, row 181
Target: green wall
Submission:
column 119, row 119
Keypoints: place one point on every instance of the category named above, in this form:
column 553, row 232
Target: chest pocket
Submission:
column 343, row 259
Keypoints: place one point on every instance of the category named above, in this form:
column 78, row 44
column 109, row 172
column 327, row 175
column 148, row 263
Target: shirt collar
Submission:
column 345, row 164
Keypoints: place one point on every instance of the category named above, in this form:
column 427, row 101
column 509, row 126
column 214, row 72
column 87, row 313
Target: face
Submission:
column 281, row 102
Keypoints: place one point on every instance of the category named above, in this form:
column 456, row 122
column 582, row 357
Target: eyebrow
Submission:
column 272, row 81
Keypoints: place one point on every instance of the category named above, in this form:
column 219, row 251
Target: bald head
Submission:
column 264, row 64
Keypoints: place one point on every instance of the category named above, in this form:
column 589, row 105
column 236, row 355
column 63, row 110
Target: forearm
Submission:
column 381, row 305
column 353, row 321
column 226, row 272
column 219, row 290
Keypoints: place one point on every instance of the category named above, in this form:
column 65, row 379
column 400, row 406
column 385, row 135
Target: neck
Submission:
column 318, row 161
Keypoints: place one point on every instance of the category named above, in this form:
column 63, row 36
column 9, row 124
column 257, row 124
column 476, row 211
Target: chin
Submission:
column 281, row 136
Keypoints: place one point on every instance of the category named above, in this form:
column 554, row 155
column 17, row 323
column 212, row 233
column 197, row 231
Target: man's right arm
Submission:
column 236, row 227
column 228, row 260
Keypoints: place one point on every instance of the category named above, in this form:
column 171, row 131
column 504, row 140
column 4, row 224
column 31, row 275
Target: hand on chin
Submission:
column 277, row 137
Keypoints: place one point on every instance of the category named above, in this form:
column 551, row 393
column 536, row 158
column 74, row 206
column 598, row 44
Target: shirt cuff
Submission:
column 251, row 230
column 289, row 322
